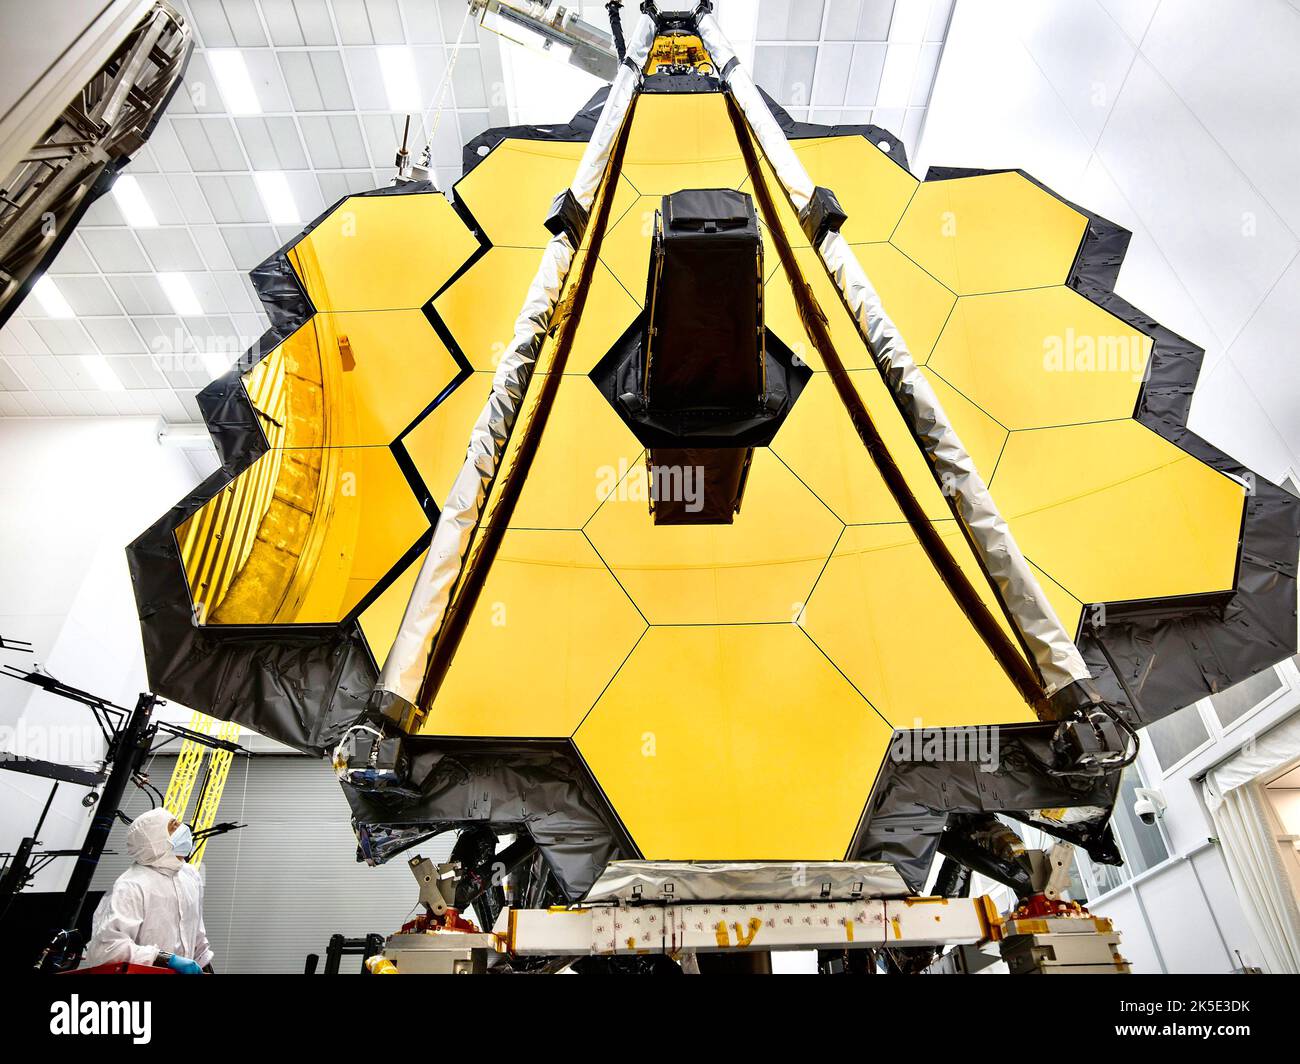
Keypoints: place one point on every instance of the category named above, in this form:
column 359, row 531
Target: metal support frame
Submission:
column 340, row 946
column 128, row 752
column 77, row 157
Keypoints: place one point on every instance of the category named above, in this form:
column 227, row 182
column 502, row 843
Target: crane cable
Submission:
column 440, row 95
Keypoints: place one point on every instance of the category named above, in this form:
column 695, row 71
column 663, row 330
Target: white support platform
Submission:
column 716, row 927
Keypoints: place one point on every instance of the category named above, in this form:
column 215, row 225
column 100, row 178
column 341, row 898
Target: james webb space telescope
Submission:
column 692, row 514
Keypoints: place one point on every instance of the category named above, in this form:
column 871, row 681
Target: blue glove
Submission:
column 184, row 965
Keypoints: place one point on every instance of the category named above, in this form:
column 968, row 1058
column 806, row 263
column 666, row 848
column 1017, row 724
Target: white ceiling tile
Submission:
column 334, row 141
column 316, row 80
column 9, row 379
column 268, row 80
column 384, row 134
column 471, row 124
column 140, row 293
column 300, row 79
column 102, row 402
column 832, row 74
column 927, row 64
column 468, row 84
column 213, row 248
column 11, row 405
column 245, row 23
column 773, row 18
column 63, row 337
column 78, row 404
column 233, row 198
column 367, row 82
column 352, row 21
column 250, row 327
column 272, row 143
column 1244, row 88
column 163, row 335
column 143, row 161
column 1037, row 133
column 218, row 338
column 115, row 250
column 911, row 131
column 171, row 249
column 248, row 244
column 864, row 75
column 198, row 92
column 168, row 404
column 786, row 72
column 421, row 22
column 208, row 291
column 1133, row 16
column 30, row 404
column 57, row 370
column 55, row 403
column 451, row 13
column 1238, row 247
column 158, row 194
column 789, row 20
column 385, row 21
column 102, row 212
column 314, row 18
column 306, row 195
column 189, row 198
column 1227, row 413
column 18, row 337
column 210, row 144
column 21, row 373
column 940, row 13
column 210, row 19
column 235, row 295
column 1081, row 52
column 334, row 187
column 167, row 148
column 282, row 23
column 1264, row 353
column 890, row 118
column 88, row 295
column 859, row 20
column 332, row 79
column 137, row 372
column 115, row 336
column 73, row 258
column 285, row 234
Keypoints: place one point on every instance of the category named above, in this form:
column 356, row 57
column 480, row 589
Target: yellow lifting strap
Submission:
column 190, row 762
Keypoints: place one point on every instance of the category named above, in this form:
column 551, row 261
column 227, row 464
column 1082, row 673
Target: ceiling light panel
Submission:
column 233, row 81
column 277, row 197
column 180, row 294
column 132, row 203
column 51, row 299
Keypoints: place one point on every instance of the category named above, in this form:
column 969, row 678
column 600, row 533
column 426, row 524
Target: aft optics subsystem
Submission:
column 698, row 485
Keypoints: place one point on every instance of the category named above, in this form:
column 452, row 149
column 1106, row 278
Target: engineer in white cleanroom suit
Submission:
column 154, row 913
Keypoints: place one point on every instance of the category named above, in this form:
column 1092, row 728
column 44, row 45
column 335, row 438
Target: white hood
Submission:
column 148, row 842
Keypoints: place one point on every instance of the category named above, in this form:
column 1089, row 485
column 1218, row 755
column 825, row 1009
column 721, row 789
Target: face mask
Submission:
column 182, row 841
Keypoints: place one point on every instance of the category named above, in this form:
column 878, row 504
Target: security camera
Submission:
column 1149, row 805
